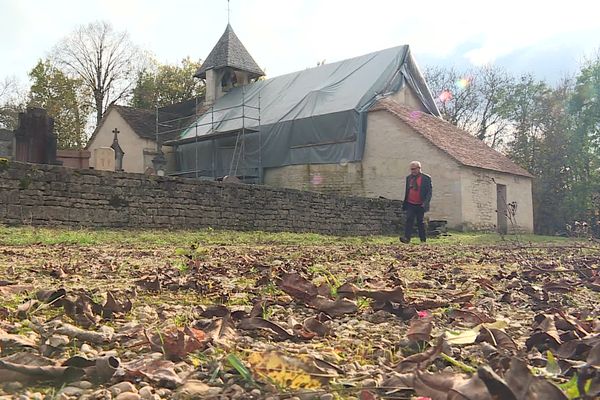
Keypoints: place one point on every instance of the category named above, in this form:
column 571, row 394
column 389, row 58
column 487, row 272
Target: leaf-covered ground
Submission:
column 130, row 315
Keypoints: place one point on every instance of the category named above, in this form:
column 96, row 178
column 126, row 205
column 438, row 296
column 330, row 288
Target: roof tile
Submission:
column 457, row 143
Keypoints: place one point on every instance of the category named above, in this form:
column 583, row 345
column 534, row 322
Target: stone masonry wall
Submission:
column 50, row 195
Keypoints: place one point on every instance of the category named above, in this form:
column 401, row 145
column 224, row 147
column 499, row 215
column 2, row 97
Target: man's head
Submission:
column 415, row 168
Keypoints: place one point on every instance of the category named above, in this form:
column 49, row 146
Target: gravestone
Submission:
column 6, row 143
column 35, row 140
column 105, row 158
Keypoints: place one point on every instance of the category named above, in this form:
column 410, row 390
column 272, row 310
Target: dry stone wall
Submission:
column 35, row 194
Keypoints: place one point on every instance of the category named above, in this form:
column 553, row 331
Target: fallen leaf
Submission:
column 114, row 306
column 421, row 360
column 334, row 308
column 435, row 385
column 312, row 324
column 470, row 316
column 178, row 343
column 10, row 342
column 222, row 331
column 261, row 323
column 496, row 386
column 462, row 337
column 526, row 386
column 161, row 372
column 419, row 329
column 298, row 287
column 15, row 289
column 497, row 338
column 471, row 389
column 285, row 371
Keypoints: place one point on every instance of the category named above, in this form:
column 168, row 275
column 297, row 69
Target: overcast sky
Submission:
column 547, row 38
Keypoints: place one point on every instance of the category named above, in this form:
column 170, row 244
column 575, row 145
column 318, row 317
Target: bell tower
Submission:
column 228, row 65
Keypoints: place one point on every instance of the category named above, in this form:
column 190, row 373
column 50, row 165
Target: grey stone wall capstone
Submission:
column 32, row 194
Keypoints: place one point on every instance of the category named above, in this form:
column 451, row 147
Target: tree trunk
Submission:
column 99, row 100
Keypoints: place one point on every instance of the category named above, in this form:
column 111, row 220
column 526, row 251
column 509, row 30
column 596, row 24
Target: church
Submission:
column 349, row 127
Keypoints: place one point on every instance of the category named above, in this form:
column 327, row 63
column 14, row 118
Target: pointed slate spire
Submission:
column 229, row 52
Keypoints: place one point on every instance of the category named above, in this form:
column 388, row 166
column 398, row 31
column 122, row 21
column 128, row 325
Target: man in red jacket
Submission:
column 416, row 201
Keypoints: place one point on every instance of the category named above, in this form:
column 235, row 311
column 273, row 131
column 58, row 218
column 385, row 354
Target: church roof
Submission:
column 457, row 143
column 143, row 122
column 229, row 52
column 316, row 115
column 172, row 119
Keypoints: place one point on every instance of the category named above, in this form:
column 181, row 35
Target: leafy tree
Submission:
column 551, row 158
column 162, row 85
column 64, row 99
column 105, row 61
column 525, row 109
column 585, row 145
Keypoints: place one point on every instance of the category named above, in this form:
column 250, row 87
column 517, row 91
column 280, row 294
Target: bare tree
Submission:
column 7, row 86
column 472, row 99
column 455, row 95
column 12, row 101
column 494, row 86
column 106, row 62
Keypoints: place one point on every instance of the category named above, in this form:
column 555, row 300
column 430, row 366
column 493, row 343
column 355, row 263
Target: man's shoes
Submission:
column 404, row 240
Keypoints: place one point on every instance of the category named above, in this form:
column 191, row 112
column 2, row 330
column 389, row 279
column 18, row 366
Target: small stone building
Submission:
column 135, row 130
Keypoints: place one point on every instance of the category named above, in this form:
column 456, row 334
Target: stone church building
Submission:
column 349, row 127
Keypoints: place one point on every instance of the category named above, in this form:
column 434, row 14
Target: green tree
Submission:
column 162, row 85
column 64, row 99
column 552, row 159
column 525, row 110
column 585, row 146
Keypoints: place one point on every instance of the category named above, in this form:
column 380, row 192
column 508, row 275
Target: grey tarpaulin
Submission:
column 313, row 116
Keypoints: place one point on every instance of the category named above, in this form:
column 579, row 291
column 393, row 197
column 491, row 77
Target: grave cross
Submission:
column 119, row 153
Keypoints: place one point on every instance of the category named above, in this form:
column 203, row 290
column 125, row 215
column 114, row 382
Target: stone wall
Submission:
column 480, row 200
column 51, row 195
column 341, row 179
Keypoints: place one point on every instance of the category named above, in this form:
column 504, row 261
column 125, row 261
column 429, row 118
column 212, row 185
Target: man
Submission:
column 416, row 201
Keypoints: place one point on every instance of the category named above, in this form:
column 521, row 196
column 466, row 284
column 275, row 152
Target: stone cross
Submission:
column 119, row 153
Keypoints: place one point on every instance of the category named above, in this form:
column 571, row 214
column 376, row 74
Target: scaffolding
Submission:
column 229, row 149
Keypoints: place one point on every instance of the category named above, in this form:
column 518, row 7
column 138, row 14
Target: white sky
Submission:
column 547, row 38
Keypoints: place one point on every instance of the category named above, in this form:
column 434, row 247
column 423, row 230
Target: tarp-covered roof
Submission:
column 457, row 143
column 314, row 116
column 229, row 52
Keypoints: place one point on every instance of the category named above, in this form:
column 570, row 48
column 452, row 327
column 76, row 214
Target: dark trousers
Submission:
column 414, row 212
